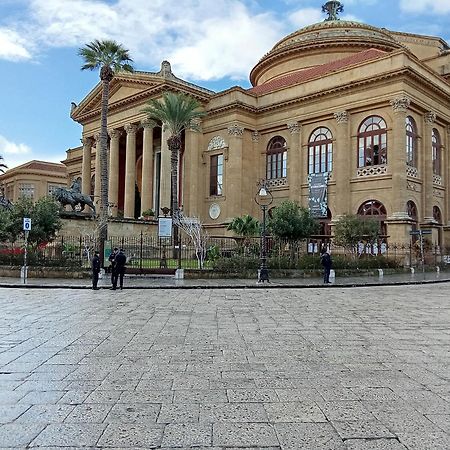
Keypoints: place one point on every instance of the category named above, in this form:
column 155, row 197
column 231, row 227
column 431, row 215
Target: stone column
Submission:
column 446, row 172
column 396, row 158
column 165, row 191
column 234, row 172
column 86, row 165
column 342, row 166
column 113, row 187
column 294, row 172
column 98, row 175
column 429, row 119
column 147, row 165
column 130, row 171
column 193, row 189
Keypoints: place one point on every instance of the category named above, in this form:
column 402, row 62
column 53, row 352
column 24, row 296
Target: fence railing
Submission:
column 150, row 252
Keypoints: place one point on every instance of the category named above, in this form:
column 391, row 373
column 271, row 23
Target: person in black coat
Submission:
column 119, row 269
column 112, row 260
column 325, row 259
column 95, row 270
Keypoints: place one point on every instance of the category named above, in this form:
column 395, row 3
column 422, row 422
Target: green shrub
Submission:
column 236, row 264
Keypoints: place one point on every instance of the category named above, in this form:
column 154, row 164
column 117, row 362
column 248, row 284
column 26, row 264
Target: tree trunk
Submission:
column 174, row 144
column 103, row 215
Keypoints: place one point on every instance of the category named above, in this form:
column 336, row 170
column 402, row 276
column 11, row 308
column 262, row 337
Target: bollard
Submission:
column 412, row 271
column 438, row 270
column 380, row 273
column 24, row 274
column 332, row 276
column 179, row 274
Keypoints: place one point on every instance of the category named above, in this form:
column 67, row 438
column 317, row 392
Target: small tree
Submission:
column 245, row 227
column 44, row 216
column 350, row 230
column 5, row 224
column 292, row 222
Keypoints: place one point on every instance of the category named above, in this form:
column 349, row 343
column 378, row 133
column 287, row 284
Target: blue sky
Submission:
column 213, row 43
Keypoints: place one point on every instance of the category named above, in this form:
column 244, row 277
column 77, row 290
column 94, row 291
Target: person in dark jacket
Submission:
column 112, row 260
column 119, row 269
column 325, row 259
column 95, row 270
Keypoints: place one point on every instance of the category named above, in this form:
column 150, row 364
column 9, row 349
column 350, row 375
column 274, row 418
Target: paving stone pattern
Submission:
column 258, row 369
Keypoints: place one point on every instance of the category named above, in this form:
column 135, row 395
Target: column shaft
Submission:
column 113, row 187
column 130, row 171
column 397, row 160
column 98, row 175
column 234, row 172
column 86, row 166
column 294, row 162
column 147, row 167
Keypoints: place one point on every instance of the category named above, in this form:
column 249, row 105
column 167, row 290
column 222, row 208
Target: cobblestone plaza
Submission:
column 275, row 369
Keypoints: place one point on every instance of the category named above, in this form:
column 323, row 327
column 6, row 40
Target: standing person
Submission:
column 112, row 260
column 119, row 269
column 95, row 270
column 325, row 259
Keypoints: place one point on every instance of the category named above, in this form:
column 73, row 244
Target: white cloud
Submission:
column 427, row 6
column 12, row 46
column 306, row 16
column 14, row 154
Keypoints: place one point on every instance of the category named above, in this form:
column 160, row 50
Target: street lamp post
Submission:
column 264, row 199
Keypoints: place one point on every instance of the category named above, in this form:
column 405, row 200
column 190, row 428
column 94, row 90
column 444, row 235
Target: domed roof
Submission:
column 314, row 44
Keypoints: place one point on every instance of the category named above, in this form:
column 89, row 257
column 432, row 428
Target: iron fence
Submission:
column 146, row 252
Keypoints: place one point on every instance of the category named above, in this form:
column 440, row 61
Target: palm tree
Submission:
column 111, row 58
column 246, row 227
column 2, row 165
column 177, row 112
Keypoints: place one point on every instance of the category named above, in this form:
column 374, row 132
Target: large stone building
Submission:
column 365, row 106
column 34, row 180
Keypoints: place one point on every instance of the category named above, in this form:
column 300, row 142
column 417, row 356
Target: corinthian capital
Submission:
column 400, row 104
column 87, row 141
column 114, row 134
column 294, row 127
column 235, row 130
column 341, row 117
column 131, row 128
column 148, row 123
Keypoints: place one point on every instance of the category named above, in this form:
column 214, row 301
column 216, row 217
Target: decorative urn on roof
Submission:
column 333, row 8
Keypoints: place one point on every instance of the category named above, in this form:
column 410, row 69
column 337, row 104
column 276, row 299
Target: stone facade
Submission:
column 34, row 179
column 367, row 105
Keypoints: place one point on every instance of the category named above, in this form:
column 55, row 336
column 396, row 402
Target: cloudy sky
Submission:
column 214, row 43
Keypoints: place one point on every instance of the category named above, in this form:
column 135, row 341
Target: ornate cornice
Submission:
column 341, row 117
column 294, row 127
column 400, row 104
column 235, row 130
column 149, row 123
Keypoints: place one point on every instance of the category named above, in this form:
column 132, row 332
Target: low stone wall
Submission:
column 45, row 272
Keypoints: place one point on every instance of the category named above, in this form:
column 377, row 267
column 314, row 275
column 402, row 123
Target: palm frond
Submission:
column 176, row 111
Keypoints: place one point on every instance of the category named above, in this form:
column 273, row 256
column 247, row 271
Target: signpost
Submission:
column 26, row 229
column 420, row 233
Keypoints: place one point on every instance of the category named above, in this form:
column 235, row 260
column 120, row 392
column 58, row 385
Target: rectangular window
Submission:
column 276, row 164
column 26, row 190
column 216, row 175
column 52, row 187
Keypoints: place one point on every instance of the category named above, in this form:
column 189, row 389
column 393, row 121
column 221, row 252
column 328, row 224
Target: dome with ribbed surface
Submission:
column 318, row 44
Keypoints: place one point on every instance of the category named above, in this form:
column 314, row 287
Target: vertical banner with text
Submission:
column 318, row 194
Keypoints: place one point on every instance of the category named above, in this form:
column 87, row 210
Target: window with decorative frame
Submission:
column 372, row 142
column 320, row 151
column 411, row 142
column 26, row 190
column 436, row 151
column 52, row 187
column 276, row 158
column 216, row 175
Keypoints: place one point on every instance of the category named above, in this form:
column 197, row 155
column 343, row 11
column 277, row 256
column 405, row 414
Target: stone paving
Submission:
column 272, row 369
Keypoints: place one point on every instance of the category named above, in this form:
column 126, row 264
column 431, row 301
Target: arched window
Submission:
column 437, row 216
column 320, row 151
column 375, row 210
column 372, row 142
column 436, row 149
column 411, row 142
column 276, row 160
column 411, row 209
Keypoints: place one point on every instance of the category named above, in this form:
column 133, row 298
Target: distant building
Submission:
column 34, row 179
column 363, row 108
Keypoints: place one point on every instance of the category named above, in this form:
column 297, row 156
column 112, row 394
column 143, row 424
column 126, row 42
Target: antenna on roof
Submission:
column 332, row 8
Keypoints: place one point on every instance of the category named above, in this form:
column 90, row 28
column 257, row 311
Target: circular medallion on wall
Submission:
column 214, row 211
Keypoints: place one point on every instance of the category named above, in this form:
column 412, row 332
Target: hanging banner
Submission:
column 318, row 194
